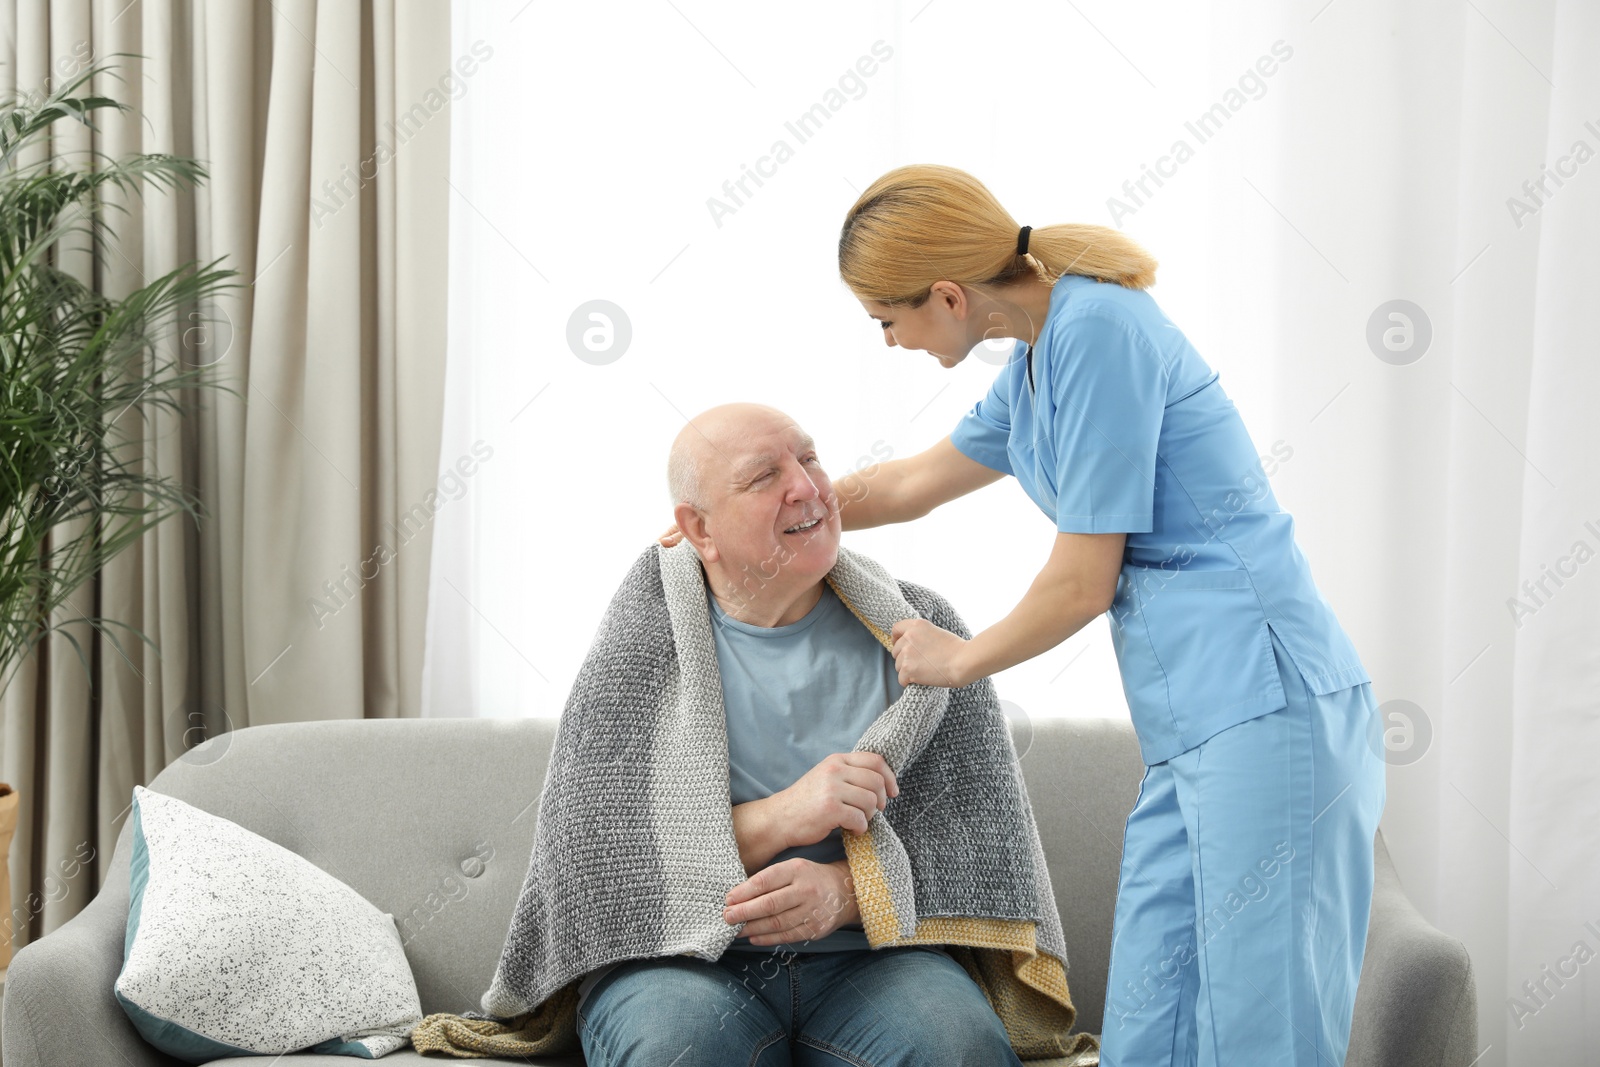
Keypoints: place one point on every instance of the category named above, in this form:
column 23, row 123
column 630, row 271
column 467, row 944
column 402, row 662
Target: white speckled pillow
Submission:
column 238, row 947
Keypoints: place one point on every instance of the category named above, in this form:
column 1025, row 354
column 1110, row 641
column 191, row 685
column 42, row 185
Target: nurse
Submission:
column 1246, row 881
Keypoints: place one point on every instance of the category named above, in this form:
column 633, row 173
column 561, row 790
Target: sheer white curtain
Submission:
column 1297, row 169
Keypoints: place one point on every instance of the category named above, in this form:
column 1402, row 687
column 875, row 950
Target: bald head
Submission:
column 751, row 497
column 711, row 448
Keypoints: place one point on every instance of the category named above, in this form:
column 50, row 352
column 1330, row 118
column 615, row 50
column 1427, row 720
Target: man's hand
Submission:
column 844, row 791
column 925, row 654
column 794, row 901
column 671, row 537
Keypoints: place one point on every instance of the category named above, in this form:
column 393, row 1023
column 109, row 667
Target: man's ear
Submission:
column 692, row 522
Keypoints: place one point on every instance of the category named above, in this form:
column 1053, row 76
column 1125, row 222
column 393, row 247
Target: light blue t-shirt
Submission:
column 1114, row 423
column 794, row 695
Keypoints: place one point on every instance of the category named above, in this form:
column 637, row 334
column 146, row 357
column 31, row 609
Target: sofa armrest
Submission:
column 1417, row 1004
column 59, row 1008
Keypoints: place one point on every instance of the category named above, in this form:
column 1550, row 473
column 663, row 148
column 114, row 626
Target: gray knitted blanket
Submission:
column 634, row 849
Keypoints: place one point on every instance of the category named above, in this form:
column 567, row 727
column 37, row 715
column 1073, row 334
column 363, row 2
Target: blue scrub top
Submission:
column 1114, row 423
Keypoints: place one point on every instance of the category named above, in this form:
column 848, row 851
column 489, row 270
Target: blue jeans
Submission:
column 903, row 1006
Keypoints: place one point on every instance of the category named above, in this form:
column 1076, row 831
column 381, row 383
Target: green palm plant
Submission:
column 80, row 370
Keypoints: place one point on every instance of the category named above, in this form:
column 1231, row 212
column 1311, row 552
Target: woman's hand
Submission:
column 925, row 654
column 671, row 537
column 793, row 901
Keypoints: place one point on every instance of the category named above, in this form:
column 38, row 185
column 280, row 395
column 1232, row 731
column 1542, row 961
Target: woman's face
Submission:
column 938, row 327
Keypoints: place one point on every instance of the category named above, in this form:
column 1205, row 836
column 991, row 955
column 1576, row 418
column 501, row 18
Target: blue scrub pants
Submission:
column 1246, row 886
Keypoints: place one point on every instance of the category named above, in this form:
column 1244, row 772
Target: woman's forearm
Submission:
column 1051, row 611
column 873, row 496
column 1077, row 585
column 900, row 490
column 1044, row 619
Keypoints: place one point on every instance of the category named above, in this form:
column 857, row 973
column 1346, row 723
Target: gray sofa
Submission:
column 432, row 820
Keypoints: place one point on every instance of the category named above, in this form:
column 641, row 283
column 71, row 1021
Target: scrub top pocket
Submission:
column 1195, row 655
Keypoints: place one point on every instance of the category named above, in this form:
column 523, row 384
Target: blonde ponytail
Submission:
column 925, row 223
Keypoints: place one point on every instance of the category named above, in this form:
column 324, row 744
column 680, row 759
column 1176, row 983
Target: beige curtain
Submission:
column 325, row 127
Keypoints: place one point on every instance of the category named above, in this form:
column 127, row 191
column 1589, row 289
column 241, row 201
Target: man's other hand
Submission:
column 794, row 901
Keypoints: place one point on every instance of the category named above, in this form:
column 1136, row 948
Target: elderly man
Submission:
column 802, row 679
column 757, row 843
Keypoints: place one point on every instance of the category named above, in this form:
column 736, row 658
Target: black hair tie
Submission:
column 1022, row 240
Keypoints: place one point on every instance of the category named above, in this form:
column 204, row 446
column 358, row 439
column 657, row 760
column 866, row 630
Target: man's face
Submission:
column 773, row 518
